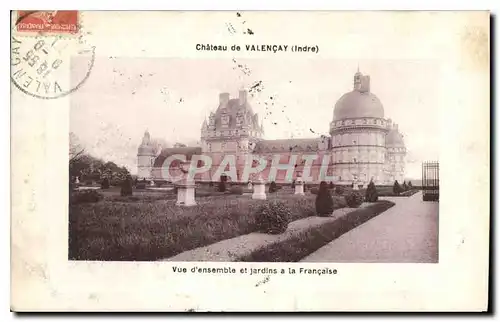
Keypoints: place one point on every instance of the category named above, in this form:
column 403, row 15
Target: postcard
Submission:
column 250, row 161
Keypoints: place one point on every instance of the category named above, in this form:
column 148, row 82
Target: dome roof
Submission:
column 394, row 138
column 356, row 104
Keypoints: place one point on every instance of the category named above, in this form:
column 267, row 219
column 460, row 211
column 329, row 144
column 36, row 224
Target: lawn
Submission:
column 148, row 225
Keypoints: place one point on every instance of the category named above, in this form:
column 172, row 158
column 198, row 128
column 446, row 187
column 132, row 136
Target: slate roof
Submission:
column 287, row 145
column 166, row 152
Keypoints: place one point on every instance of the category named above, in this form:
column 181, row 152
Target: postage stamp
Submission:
column 39, row 63
column 48, row 21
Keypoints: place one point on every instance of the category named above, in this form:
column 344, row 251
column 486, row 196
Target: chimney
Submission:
column 365, row 84
column 223, row 99
column 243, row 97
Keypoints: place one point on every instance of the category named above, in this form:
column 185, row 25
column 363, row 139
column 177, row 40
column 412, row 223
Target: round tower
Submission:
column 358, row 133
column 145, row 157
column 396, row 153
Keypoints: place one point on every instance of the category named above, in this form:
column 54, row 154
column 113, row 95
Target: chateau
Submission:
column 363, row 145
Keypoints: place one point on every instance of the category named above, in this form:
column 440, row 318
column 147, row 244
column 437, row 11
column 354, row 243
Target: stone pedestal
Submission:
column 259, row 190
column 77, row 181
column 185, row 194
column 299, row 187
column 151, row 183
column 250, row 186
column 355, row 186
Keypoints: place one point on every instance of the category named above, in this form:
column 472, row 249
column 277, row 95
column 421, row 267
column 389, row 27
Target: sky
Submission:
column 170, row 97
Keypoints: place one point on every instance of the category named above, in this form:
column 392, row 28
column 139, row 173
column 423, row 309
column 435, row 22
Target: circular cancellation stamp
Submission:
column 50, row 58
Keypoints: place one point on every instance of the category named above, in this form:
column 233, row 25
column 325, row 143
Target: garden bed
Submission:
column 304, row 242
column 118, row 228
column 234, row 249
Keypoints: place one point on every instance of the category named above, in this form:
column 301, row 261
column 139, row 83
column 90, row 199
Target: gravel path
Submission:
column 405, row 233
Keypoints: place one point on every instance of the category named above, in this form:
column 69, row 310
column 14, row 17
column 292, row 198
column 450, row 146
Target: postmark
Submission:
column 49, row 65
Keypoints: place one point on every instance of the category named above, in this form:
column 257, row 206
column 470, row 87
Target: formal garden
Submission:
column 142, row 221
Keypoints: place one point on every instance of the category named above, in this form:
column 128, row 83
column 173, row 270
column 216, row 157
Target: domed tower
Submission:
column 233, row 129
column 145, row 157
column 396, row 153
column 358, row 133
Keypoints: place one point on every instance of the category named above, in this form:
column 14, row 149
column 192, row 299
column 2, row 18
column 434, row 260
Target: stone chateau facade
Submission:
column 363, row 145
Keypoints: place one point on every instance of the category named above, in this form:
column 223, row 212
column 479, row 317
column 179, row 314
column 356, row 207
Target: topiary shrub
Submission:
column 105, row 183
column 354, row 199
column 222, row 186
column 324, row 201
column 314, row 190
column 273, row 217
column 331, row 186
column 273, row 187
column 293, row 184
column 371, row 194
column 126, row 188
column 236, row 190
column 84, row 196
column 339, row 190
column 396, row 188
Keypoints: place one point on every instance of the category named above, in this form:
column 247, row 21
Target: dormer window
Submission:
column 225, row 120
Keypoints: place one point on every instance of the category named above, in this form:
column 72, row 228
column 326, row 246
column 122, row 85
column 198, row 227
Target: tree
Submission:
column 405, row 187
column 371, row 194
column 76, row 153
column 396, row 188
column 324, row 201
column 410, row 185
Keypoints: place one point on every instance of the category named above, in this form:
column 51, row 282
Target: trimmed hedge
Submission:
column 324, row 201
column 273, row 218
column 236, row 190
column 85, row 196
column 354, row 199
